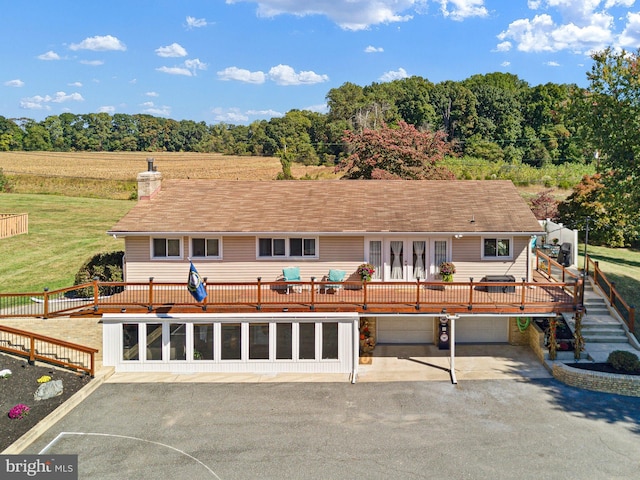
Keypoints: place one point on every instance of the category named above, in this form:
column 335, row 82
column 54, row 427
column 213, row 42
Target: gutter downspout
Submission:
column 356, row 350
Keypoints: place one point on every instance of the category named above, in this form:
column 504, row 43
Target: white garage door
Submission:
column 405, row 329
column 482, row 330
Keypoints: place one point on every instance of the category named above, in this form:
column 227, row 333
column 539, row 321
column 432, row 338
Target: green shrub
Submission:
column 624, row 361
column 106, row 267
column 5, row 184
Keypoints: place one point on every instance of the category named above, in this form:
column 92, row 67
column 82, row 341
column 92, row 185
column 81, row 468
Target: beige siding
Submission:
column 467, row 256
column 239, row 262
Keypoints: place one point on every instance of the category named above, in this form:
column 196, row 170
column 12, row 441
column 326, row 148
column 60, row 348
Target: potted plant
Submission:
column 447, row 269
column 366, row 271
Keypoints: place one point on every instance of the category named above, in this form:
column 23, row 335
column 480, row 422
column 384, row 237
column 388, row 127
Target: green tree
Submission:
column 10, row 135
column 610, row 110
column 36, row 137
column 609, row 224
column 455, row 106
column 396, row 153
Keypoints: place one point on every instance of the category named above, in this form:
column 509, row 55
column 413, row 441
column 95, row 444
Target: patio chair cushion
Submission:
column 291, row 274
column 336, row 275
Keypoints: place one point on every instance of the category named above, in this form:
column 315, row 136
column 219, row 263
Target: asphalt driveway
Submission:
column 526, row 428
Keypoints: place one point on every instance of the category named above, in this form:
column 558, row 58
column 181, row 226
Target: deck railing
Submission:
column 46, row 349
column 13, row 224
column 390, row 297
column 627, row 312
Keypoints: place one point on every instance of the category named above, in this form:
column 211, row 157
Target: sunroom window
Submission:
column 166, row 248
column 496, row 248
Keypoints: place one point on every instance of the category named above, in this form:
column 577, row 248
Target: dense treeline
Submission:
column 496, row 116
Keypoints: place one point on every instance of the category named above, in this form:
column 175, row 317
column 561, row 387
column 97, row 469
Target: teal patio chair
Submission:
column 291, row 274
column 335, row 276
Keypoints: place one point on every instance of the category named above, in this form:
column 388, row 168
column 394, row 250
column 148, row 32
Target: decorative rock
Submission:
column 48, row 390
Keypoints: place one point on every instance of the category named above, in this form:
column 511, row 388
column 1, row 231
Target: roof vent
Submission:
column 150, row 167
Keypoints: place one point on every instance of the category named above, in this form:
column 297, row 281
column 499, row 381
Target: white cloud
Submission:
column 578, row 26
column 14, row 83
column 372, row 49
column 505, row 64
column 280, row 74
column 173, row 50
column 322, row 108
column 175, row 71
column 231, row 115
column 349, row 15
column 92, row 63
column 503, row 47
column 552, row 64
column 195, row 64
column 460, row 9
column 110, row 109
column 99, row 44
column 264, row 113
column 152, row 109
column 242, row 75
column 391, row 75
column 285, row 75
column 193, row 22
column 630, row 36
column 75, row 84
column 152, row 94
column 188, row 69
column 61, row 97
column 50, row 55
column 40, row 102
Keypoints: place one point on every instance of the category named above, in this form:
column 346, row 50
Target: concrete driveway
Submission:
column 521, row 425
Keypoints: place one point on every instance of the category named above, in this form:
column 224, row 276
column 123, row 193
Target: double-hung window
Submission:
column 496, row 248
column 206, row 247
column 296, row 247
column 166, row 248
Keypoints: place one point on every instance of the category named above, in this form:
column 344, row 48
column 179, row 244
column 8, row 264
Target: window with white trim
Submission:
column 292, row 247
column 206, row 247
column 166, row 248
column 496, row 248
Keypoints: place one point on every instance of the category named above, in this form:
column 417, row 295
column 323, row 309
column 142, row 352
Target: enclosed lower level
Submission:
column 277, row 343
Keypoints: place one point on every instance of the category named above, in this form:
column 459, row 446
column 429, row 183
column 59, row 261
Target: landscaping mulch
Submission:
column 19, row 389
column 601, row 367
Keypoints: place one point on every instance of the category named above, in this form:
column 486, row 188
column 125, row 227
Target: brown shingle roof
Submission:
column 336, row 206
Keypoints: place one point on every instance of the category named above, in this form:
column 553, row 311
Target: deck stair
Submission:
column 602, row 331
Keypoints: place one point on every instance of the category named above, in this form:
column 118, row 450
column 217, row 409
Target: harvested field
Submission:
column 126, row 165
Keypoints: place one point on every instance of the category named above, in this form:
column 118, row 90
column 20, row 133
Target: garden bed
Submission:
column 600, row 367
column 19, row 389
column 564, row 335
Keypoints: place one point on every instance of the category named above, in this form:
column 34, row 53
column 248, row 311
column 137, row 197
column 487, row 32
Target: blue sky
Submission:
column 237, row 61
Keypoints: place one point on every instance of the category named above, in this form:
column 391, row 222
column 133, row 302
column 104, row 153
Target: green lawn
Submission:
column 64, row 232
column 621, row 266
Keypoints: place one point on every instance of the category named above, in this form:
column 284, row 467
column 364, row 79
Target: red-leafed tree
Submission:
column 544, row 206
column 402, row 152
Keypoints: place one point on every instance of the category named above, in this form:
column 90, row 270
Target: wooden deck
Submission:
column 543, row 295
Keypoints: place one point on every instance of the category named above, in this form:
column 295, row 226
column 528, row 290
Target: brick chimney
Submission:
column 149, row 182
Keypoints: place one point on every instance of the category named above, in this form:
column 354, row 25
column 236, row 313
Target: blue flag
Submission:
column 195, row 285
